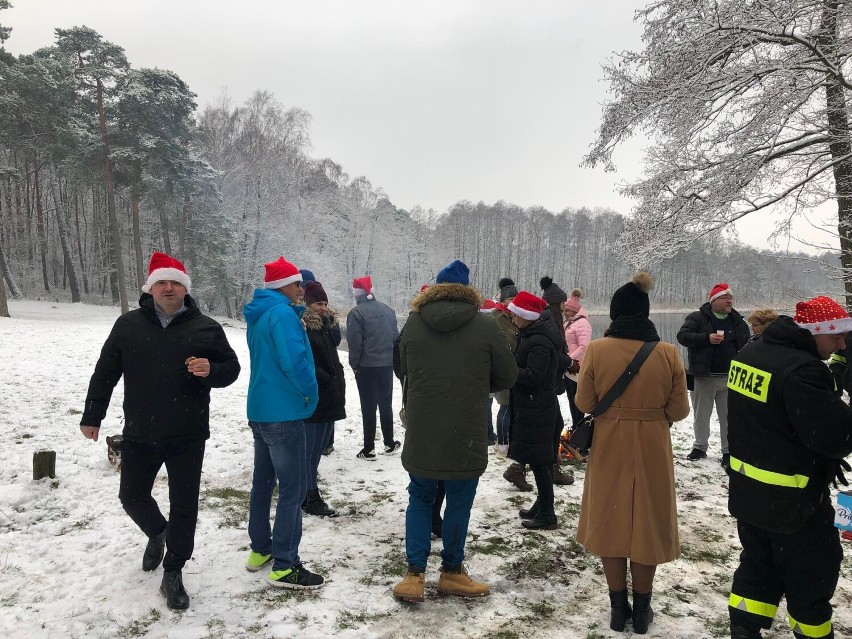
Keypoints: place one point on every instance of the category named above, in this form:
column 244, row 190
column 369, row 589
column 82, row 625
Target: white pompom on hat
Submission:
column 822, row 316
column 280, row 273
column 164, row 268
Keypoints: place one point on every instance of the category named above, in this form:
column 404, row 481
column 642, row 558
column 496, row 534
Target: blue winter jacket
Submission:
column 282, row 386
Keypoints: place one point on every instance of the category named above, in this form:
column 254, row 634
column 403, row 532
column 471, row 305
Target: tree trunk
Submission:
column 6, row 274
column 840, row 145
column 44, row 464
column 79, row 242
column 135, row 198
column 4, row 304
column 64, row 240
column 42, row 238
column 182, row 223
column 118, row 264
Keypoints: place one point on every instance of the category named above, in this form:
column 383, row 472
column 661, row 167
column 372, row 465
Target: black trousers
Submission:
column 571, row 390
column 544, row 486
column 140, row 464
column 558, row 425
column 803, row 566
column 375, row 388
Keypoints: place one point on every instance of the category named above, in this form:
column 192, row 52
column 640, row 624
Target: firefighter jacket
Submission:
column 787, row 429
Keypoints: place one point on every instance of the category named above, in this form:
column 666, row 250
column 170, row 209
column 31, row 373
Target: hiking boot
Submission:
column 392, row 448
column 529, row 513
column 541, row 521
column 642, row 613
column 696, row 454
column 620, row 610
column 298, row 577
column 315, row 505
column 368, row 455
column 328, row 450
column 726, row 460
column 154, row 551
column 256, row 561
column 459, row 584
column 411, row 588
column 515, row 474
column 560, row 477
column 172, row 588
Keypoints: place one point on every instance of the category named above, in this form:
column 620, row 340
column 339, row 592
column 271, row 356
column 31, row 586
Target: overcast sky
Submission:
column 434, row 102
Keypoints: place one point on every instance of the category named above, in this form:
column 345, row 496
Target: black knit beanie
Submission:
column 552, row 293
column 507, row 288
column 632, row 298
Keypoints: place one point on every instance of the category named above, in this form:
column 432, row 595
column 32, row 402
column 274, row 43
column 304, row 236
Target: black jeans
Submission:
column 576, row 414
column 140, row 464
column 375, row 388
column 544, row 486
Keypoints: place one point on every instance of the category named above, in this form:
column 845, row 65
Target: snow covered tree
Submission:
column 746, row 105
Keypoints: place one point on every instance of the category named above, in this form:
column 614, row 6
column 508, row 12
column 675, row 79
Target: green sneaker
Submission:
column 256, row 561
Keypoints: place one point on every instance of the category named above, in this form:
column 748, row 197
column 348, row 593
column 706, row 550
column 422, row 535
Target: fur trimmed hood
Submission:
column 313, row 320
column 447, row 292
column 447, row 307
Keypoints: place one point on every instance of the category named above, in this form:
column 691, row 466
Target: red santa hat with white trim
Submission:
column 822, row 316
column 527, row 306
column 719, row 290
column 487, row 306
column 163, row 268
column 363, row 286
column 280, row 273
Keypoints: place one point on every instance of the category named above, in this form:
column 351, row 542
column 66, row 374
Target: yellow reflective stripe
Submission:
column 837, row 358
column 753, row 606
column 767, row 476
column 822, row 630
column 749, row 381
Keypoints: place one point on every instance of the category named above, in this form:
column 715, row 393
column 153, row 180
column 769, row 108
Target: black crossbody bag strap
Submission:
column 629, row 373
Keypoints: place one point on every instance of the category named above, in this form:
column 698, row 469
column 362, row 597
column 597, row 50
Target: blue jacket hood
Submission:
column 263, row 300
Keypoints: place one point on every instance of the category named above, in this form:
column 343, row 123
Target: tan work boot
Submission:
column 411, row 588
column 460, row 584
column 515, row 474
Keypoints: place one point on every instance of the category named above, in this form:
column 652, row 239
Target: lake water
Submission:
column 668, row 324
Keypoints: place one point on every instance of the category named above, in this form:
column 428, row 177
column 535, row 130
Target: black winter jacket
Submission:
column 534, row 404
column 329, row 370
column 162, row 400
column 695, row 335
column 787, row 429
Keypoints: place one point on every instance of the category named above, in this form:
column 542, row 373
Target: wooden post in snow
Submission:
column 44, row 464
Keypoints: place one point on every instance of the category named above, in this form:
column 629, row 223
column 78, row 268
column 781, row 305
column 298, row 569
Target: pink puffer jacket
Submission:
column 578, row 334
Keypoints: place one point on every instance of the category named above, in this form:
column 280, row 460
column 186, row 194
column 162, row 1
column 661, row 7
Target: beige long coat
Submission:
column 629, row 507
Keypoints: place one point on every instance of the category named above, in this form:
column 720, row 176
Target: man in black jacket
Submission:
column 713, row 335
column 170, row 356
column 789, row 431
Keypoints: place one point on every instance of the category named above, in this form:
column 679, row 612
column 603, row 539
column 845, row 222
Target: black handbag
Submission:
column 581, row 437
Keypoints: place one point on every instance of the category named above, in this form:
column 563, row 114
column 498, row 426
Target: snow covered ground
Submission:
column 70, row 559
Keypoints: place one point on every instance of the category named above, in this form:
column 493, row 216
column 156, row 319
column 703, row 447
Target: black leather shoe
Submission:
column 529, row 513
column 154, row 551
column 620, row 610
column 172, row 588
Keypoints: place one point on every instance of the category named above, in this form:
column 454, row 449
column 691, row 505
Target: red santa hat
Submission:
column 527, row 306
column 487, row 306
column 719, row 290
column 822, row 316
column 363, row 286
column 164, row 267
column 280, row 273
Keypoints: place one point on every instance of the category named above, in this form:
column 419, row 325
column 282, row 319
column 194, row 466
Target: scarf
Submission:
column 633, row 327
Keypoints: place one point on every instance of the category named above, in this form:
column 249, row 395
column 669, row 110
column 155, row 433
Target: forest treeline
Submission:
column 101, row 163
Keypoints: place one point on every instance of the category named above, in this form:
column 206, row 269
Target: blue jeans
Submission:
column 279, row 454
column 418, row 520
column 316, row 439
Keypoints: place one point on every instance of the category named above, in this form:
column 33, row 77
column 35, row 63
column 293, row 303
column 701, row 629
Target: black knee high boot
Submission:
column 642, row 613
column 620, row 609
